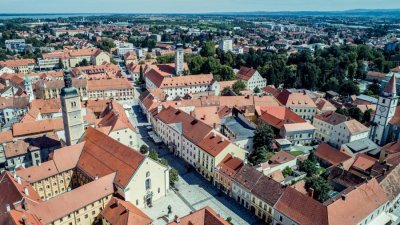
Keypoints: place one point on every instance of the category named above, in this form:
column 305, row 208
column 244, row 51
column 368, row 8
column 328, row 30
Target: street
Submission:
column 192, row 191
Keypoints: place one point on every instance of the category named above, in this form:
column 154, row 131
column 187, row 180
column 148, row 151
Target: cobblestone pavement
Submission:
column 192, row 191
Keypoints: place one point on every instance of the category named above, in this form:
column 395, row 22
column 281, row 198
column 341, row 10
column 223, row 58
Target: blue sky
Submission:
column 189, row 6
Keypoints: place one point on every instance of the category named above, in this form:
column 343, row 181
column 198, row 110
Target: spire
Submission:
column 391, row 86
column 67, row 80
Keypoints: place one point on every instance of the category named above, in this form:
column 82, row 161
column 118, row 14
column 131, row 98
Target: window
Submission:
column 86, row 216
column 148, row 184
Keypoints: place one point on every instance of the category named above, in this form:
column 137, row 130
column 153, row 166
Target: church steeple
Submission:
column 72, row 112
column 390, row 89
column 179, row 60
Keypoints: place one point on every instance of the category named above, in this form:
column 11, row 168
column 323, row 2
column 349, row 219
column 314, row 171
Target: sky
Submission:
column 187, row 6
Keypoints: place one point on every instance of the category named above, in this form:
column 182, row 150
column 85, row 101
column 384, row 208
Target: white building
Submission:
column 17, row 45
column 225, row 45
column 123, row 47
column 251, row 78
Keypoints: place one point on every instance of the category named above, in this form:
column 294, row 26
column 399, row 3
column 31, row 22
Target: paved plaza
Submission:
column 192, row 191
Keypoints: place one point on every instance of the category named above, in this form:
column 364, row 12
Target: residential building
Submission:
column 299, row 103
column 114, row 121
column 225, row 171
column 123, row 47
column 118, row 89
column 325, row 124
column 225, row 44
column 243, row 183
column 51, row 89
column 212, row 150
column 17, row 45
column 329, row 156
column 119, row 212
column 348, row 131
column 19, row 65
column 251, row 78
column 298, row 133
column 202, row 216
column 12, row 109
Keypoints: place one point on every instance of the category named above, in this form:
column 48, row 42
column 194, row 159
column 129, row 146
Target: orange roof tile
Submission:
column 103, row 155
column 330, row 154
column 120, row 212
column 204, row 216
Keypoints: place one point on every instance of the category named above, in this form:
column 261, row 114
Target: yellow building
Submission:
column 55, row 176
column 212, row 150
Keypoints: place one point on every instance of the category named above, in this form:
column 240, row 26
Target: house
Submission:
column 298, row 133
column 251, row 78
column 114, row 121
column 19, row 65
column 212, row 150
column 264, row 196
column 202, row 216
column 329, row 156
column 243, row 183
column 12, row 109
column 299, row 103
column 225, row 171
column 278, row 116
column 348, row 131
column 240, row 131
column 324, row 105
column 119, row 212
column 278, row 162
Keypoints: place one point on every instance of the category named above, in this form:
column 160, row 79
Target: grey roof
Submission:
column 368, row 98
column 364, row 145
column 238, row 127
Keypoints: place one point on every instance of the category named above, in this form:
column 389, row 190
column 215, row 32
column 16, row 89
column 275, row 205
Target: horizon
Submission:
column 188, row 6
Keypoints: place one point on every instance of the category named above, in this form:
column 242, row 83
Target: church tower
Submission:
column 28, row 88
column 385, row 110
column 71, row 111
column 179, row 60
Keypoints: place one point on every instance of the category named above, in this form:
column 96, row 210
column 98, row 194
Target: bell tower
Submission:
column 385, row 110
column 71, row 111
column 179, row 60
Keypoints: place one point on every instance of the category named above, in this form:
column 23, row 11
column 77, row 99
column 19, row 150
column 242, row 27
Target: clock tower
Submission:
column 71, row 111
column 385, row 110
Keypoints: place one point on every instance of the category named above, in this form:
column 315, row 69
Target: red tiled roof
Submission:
column 301, row 208
column 391, row 86
column 245, row 73
column 13, row 192
column 120, row 212
column 230, row 165
column 213, row 144
column 277, row 116
column 204, row 216
column 330, row 154
column 103, row 155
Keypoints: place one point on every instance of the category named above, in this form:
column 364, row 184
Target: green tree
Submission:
column 173, row 176
column 355, row 113
column 261, row 155
column 257, row 90
column 153, row 155
column 367, row 116
column 238, row 86
column 208, row 49
column 287, row 171
column 144, row 149
column 263, row 136
column 309, row 167
column 349, row 88
column 342, row 111
column 229, row 220
column 84, row 62
column 320, row 186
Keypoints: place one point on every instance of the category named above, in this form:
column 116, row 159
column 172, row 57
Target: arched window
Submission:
column 147, row 174
column 148, row 184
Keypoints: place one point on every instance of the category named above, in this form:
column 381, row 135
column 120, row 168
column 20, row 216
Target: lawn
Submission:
column 296, row 153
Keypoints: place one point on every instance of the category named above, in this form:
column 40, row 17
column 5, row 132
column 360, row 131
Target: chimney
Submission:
column 343, row 197
column 177, row 220
column 8, row 208
column 19, row 180
column 26, row 191
column 310, row 192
